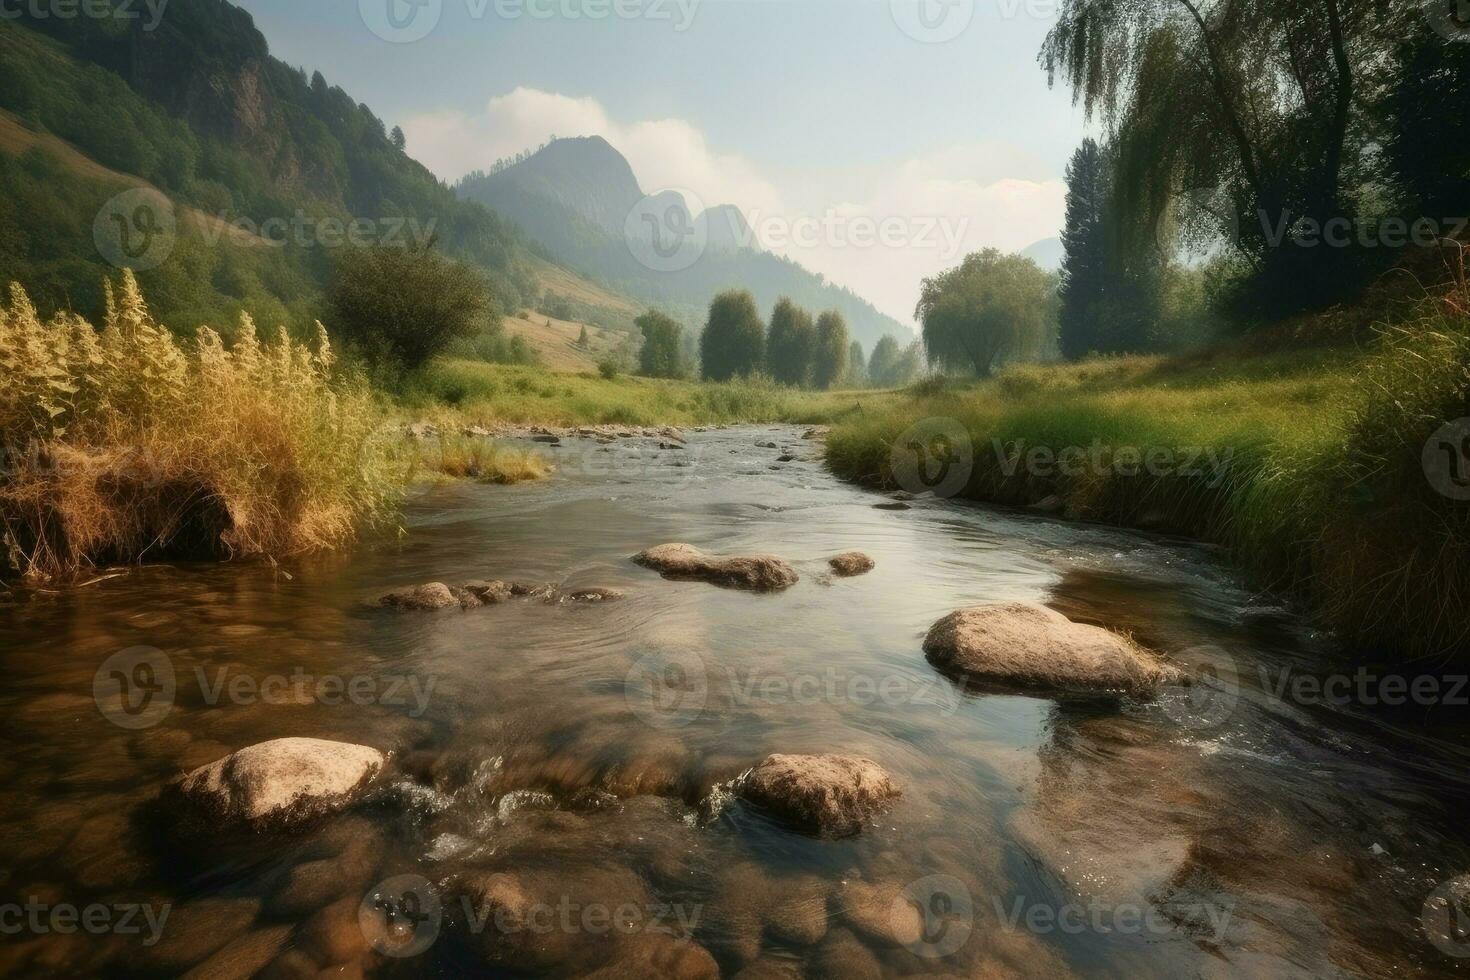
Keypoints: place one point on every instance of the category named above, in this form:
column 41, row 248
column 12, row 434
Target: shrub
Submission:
column 403, row 306
column 608, row 369
column 123, row 443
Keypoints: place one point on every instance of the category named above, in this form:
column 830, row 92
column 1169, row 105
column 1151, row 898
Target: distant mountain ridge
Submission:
column 575, row 197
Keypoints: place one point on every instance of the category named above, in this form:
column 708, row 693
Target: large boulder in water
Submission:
column 826, row 795
column 283, row 782
column 1031, row 647
column 762, row 573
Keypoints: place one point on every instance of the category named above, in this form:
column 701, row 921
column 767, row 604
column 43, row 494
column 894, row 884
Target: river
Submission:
column 1242, row 827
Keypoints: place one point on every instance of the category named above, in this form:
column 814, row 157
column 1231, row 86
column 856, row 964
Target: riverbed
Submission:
column 1242, row 826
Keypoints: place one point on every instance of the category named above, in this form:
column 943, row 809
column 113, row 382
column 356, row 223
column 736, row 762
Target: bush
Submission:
column 124, row 443
column 403, row 306
column 608, row 369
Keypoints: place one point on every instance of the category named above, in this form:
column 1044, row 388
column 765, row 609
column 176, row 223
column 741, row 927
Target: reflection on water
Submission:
column 576, row 757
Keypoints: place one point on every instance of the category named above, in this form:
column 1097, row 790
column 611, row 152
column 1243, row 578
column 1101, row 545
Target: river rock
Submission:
column 761, row 573
column 489, row 593
column 286, row 781
column 851, row 563
column 422, row 598
column 591, row 595
column 828, row 795
column 652, row 955
column 1032, row 647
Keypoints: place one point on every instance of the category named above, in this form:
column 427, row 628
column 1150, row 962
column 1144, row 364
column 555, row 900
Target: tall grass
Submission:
column 1324, row 489
column 123, row 443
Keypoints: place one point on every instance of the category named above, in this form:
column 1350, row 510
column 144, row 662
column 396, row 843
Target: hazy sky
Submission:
column 876, row 142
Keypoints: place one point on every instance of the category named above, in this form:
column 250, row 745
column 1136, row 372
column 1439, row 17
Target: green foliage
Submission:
column 891, row 366
column 790, row 344
column 662, row 353
column 609, row 369
column 1238, row 117
column 733, row 344
column 128, row 106
column 402, row 306
column 829, row 360
column 991, row 308
column 857, row 367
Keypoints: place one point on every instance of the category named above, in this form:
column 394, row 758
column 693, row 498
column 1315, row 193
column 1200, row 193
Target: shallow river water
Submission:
column 586, row 750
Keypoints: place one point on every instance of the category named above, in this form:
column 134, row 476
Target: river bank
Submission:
column 1329, row 473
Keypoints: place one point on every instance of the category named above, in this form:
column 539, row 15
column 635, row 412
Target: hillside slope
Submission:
column 200, row 111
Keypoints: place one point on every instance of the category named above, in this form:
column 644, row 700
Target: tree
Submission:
column 790, row 344
column 397, row 138
column 1082, row 241
column 401, row 306
column 662, row 353
column 990, row 308
column 583, row 340
column 891, row 366
column 857, row 366
column 829, row 361
column 1245, row 115
column 734, row 340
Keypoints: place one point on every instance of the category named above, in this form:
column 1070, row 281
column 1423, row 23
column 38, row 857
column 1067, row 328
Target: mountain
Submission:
column 1046, row 253
column 233, row 142
column 580, row 200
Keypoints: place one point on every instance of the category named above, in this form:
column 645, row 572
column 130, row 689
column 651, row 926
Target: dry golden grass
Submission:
column 122, row 443
column 466, row 457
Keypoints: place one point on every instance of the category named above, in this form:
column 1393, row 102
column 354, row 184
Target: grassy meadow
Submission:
column 474, row 392
column 1308, row 464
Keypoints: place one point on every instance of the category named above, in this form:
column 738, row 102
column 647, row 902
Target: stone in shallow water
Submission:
column 827, row 795
column 761, row 573
column 282, row 782
column 1032, row 647
column 422, row 598
column 851, row 563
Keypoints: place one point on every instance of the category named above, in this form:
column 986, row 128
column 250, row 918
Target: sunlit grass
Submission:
column 1309, row 464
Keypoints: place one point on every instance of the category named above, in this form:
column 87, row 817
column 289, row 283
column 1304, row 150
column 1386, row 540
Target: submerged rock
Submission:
column 763, row 573
column 851, row 563
column 591, row 595
column 283, row 782
column 1032, row 647
column 827, row 795
column 489, row 593
column 422, row 598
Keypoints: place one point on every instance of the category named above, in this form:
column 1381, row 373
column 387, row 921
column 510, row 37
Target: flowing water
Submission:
column 587, row 752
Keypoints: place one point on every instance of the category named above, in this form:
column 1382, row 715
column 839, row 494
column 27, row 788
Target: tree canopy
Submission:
column 734, row 340
column 790, row 343
column 829, row 362
column 990, row 308
column 662, row 353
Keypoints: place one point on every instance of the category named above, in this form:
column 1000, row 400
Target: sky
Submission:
column 875, row 141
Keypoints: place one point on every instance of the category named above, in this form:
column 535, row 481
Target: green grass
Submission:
column 1324, row 492
column 474, row 392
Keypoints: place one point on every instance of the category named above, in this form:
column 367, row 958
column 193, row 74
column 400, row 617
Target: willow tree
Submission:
column 991, row 308
column 1242, row 120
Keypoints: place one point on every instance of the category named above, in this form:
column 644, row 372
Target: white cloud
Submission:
column 931, row 210
column 664, row 153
